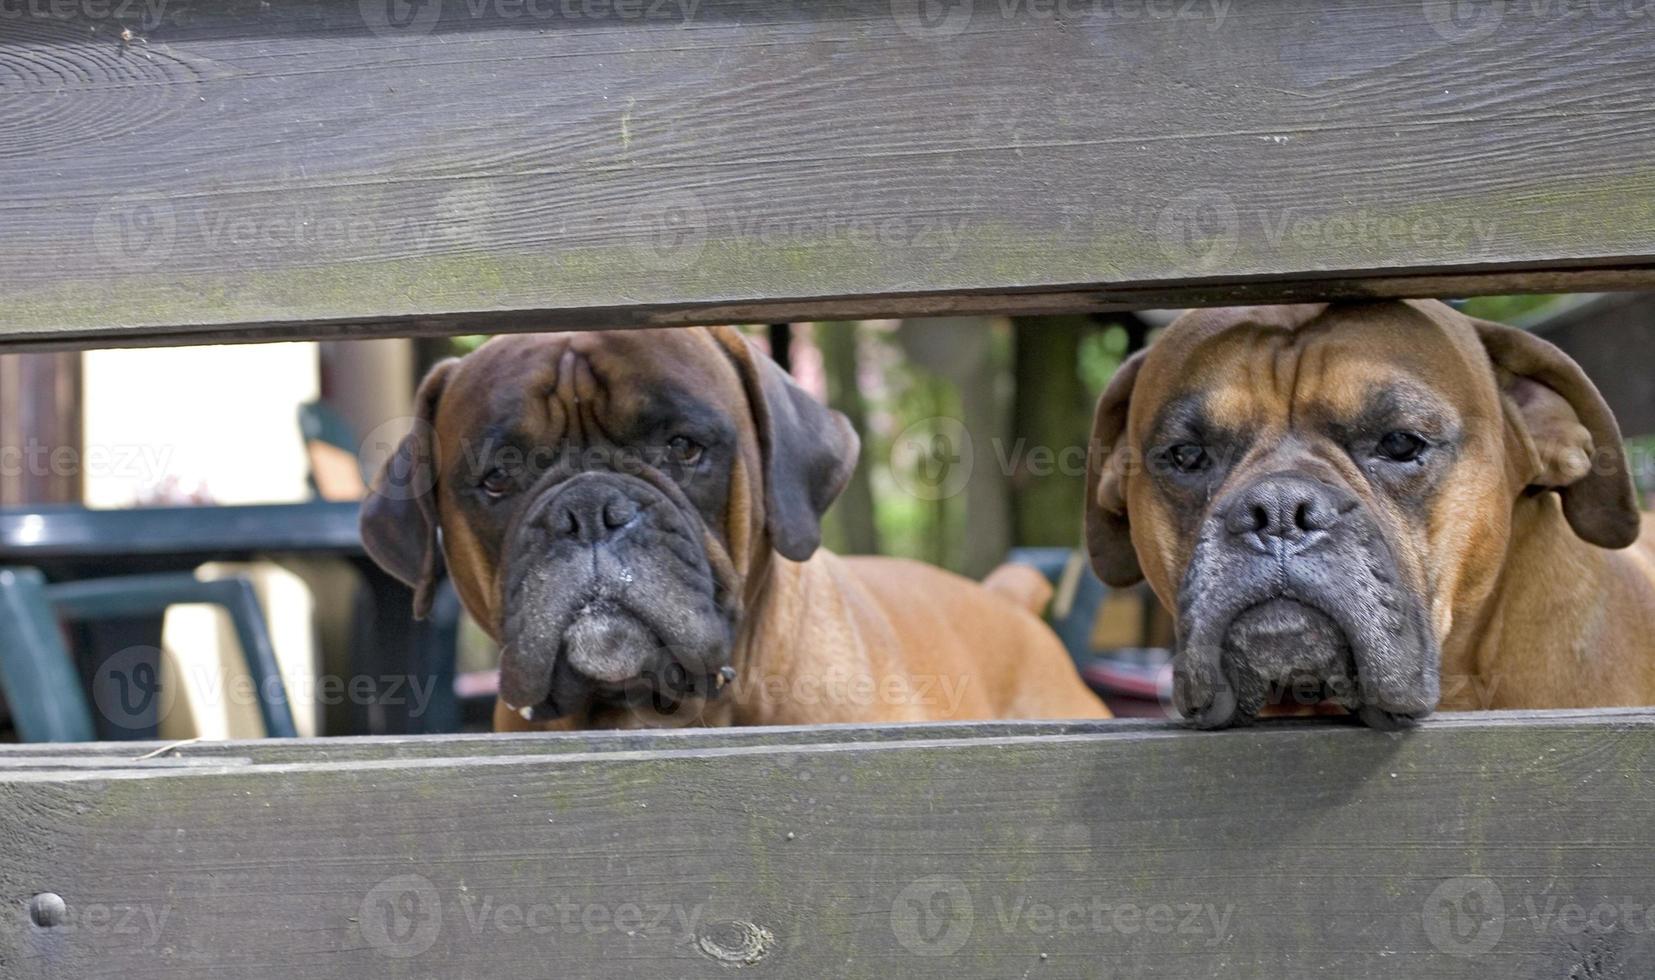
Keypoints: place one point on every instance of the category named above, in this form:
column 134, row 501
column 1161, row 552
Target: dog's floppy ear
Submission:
column 809, row 449
column 399, row 515
column 1108, row 530
column 1573, row 442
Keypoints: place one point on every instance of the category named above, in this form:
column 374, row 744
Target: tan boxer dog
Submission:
column 1348, row 499
column 634, row 516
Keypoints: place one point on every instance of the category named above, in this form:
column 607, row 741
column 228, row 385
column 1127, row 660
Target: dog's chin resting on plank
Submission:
column 1389, row 505
column 634, row 516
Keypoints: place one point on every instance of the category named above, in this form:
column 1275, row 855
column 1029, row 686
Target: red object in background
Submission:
column 1135, row 683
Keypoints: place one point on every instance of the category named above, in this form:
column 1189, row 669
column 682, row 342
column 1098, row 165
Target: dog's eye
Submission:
column 1188, row 457
column 685, row 450
column 496, row 482
column 1401, row 447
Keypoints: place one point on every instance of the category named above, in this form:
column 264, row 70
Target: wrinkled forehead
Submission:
column 1241, row 369
column 624, row 380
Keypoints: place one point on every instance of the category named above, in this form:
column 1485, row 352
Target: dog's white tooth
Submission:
column 527, row 712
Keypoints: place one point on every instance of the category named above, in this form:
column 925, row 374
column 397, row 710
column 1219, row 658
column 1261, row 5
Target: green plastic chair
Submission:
column 38, row 675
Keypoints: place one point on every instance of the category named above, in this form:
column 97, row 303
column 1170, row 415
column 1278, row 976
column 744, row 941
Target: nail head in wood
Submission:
column 47, row 909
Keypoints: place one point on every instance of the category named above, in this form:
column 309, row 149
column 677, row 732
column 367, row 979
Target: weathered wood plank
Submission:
column 413, row 747
column 248, row 170
column 1515, row 845
column 369, row 748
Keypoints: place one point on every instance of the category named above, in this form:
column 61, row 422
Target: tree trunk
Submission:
column 1051, row 421
column 974, row 530
column 40, row 429
column 852, row 519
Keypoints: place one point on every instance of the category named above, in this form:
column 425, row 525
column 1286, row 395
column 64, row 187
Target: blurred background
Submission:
column 178, row 555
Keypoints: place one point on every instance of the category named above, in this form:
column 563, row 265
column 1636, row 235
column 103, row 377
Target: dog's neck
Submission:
column 777, row 595
column 796, row 611
column 1544, row 632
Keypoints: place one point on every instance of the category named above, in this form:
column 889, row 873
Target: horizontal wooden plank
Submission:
column 414, row 747
column 1474, row 846
column 370, row 748
column 243, row 170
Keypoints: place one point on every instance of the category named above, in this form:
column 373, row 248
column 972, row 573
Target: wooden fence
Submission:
column 242, row 170
column 1500, row 845
column 236, row 170
column 1495, row 845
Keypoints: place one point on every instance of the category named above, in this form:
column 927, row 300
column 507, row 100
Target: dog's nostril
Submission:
column 1291, row 510
column 1301, row 517
column 618, row 513
column 591, row 516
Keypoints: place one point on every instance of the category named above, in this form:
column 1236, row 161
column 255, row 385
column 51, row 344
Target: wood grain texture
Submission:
column 1511, row 845
column 246, row 170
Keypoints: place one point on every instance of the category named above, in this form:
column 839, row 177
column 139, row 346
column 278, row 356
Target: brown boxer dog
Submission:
column 1387, row 503
column 634, row 516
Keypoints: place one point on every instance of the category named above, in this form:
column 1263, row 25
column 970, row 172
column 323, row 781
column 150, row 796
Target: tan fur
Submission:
column 1021, row 584
column 1569, row 625
column 1528, row 614
column 829, row 639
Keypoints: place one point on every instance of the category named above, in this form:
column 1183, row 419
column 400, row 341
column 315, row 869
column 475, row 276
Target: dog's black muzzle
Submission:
column 1292, row 591
column 609, row 596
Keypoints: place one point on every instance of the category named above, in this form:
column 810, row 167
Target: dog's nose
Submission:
column 590, row 514
column 1284, row 510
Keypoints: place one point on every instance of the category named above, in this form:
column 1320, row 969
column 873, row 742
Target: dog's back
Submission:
column 983, row 644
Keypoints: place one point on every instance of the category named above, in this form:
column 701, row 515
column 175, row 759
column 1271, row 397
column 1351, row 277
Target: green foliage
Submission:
column 1504, row 309
column 1641, row 452
column 1101, row 352
column 909, row 525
